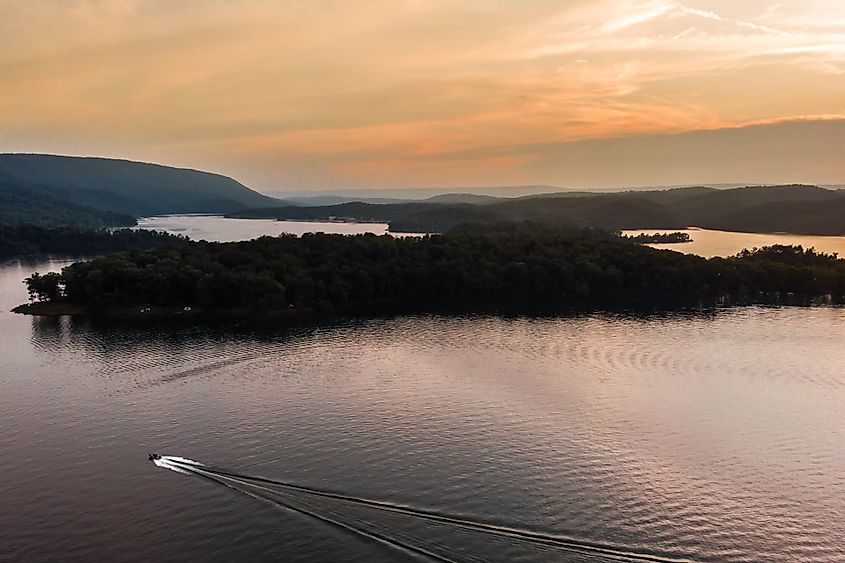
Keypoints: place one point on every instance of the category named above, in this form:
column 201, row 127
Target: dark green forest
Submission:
column 366, row 273
column 122, row 186
column 22, row 240
column 36, row 205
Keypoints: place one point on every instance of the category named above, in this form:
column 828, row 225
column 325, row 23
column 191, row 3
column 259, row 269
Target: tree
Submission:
column 49, row 287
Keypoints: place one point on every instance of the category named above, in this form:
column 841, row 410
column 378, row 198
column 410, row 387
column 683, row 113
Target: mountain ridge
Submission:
column 129, row 187
column 659, row 209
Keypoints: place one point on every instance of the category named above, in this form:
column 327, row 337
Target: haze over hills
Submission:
column 53, row 190
column 415, row 194
column 126, row 187
column 757, row 209
column 319, row 200
column 323, row 200
column 396, row 195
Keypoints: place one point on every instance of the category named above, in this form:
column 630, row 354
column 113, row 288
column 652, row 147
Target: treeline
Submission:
column 659, row 238
column 37, row 205
column 22, row 240
column 364, row 273
column 531, row 229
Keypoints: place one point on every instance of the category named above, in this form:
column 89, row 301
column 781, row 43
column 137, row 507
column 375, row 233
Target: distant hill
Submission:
column 477, row 199
column 599, row 212
column 711, row 207
column 825, row 217
column 797, row 209
column 318, row 200
column 127, row 187
column 368, row 195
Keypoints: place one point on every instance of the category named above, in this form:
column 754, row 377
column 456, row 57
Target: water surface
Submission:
column 223, row 229
column 713, row 436
column 710, row 243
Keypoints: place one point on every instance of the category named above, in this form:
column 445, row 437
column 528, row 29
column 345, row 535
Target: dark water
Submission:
column 715, row 436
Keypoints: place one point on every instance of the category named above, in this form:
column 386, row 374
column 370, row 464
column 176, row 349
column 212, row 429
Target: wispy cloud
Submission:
column 640, row 14
column 334, row 92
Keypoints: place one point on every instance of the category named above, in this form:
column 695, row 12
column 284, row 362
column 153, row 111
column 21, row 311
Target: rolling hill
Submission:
column 795, row 208
column 127, row 187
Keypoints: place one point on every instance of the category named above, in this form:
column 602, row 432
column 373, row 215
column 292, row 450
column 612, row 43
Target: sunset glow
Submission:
column 330, row 94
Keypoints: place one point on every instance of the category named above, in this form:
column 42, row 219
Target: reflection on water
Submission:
column 711, row 436
column 709, row 243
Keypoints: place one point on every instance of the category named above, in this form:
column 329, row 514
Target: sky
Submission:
column 334, row 94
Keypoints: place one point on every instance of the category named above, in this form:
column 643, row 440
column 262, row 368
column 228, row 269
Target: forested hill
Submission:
column 363, row 274
column 122, row 186
column 797, row 209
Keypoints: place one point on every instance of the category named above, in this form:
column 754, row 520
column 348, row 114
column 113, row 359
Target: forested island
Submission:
column 23, row 240
column 363, row 274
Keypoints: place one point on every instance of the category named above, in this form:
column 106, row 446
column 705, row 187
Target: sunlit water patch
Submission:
column 709, row 243
column 222, row 229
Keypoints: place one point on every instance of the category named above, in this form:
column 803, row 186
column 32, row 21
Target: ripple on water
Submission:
column 713, row 436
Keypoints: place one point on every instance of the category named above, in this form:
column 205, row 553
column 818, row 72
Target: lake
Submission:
column 709, row 243
column 223, row 229
column 712, row 435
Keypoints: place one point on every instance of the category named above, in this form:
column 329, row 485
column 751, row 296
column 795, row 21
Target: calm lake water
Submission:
column 712, row 436
column 222, row 229
column 709, row 243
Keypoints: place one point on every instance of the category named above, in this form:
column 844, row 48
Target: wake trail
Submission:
column 190, row 468
column 489, row 528
column 394, row 533
column 503, row 531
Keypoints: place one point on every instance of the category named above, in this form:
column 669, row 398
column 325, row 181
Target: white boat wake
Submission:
column 302, row 499
column 172, row 463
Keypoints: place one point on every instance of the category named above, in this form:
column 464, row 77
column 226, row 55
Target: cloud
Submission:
column 339, row 92
column 639, row 15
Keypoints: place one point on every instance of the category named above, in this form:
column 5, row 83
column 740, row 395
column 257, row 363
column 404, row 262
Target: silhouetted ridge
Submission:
column 797, row 209
column 129, row 187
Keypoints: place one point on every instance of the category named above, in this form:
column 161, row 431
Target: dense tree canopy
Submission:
column 122, row 186
column 335, row 273
column 38, row 205
column 20, row 240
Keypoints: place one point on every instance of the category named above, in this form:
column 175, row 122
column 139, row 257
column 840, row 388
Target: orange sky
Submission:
column 353, row 93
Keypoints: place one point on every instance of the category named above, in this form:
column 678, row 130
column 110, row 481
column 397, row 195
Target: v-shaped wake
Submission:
column 305, row 500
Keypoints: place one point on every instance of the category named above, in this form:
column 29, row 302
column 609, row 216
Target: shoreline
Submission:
column 587, row 306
